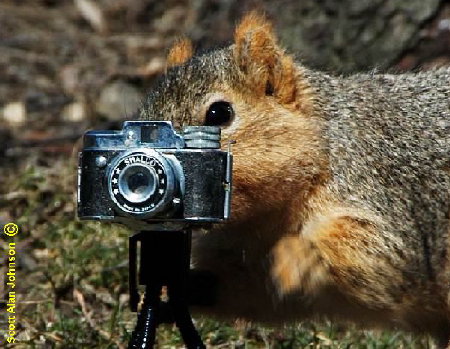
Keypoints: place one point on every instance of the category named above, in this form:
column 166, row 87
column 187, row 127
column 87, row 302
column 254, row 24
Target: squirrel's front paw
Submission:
column 297, row 265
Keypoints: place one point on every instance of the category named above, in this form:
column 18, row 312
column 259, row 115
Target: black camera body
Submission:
column 146, row 173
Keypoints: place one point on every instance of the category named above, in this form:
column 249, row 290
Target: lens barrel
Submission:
column 137, row 182
column 141, row 183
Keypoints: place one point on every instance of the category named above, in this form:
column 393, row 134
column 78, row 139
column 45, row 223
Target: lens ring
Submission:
column 139, row 197
column 137, row 183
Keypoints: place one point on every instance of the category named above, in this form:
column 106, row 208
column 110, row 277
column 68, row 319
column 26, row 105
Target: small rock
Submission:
column 154, row 67
column 69, row 78
column 74, row 112
column 93, row 14
column 118, row 100
column 444, row 24
column 124, row 298
column 15, row 113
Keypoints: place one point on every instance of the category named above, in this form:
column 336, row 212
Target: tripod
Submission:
column 164, row 262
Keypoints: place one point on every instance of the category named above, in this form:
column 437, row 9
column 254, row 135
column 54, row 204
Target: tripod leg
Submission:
column 143, row 336
column 164, row 260
column 187, row 329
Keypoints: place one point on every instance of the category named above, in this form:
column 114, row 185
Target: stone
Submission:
column 15, row 113
column 74, row 112
column 118, row 100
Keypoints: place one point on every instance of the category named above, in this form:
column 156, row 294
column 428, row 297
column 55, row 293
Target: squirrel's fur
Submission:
column 341, row 188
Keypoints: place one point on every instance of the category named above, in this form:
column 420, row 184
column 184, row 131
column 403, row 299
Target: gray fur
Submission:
column 389, row 146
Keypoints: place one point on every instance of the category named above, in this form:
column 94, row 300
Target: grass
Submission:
column 73, row 275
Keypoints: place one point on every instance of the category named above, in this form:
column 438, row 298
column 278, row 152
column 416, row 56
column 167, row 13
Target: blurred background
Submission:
column 71, row 65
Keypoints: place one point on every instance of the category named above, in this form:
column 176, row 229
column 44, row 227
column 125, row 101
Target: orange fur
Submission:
column 253, row 36
column 298, row 265
column 180, row 52
column 268, row 68
column 339, row 249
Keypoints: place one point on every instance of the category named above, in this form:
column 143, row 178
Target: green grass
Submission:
column 73, row 276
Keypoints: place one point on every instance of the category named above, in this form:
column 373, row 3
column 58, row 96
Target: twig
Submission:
column 87, row 315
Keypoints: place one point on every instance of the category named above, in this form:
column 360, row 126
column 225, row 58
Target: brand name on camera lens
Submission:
column 143, row 159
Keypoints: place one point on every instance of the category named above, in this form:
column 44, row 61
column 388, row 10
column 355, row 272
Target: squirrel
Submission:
column 341, row 185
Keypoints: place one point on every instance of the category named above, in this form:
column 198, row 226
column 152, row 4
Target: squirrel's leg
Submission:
column 345, row 252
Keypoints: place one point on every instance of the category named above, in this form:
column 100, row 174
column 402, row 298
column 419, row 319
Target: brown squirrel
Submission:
column 341, row 188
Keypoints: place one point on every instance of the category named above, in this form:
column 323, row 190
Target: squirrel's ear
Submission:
column 267, row 68
column 180, row 52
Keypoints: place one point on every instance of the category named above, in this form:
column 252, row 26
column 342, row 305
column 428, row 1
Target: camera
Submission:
column 147, row 173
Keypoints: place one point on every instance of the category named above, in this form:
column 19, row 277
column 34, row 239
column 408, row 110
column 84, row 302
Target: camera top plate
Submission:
column 151, row 134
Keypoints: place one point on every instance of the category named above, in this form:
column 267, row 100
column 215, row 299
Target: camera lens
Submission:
column 141, row 183
column 137, row 183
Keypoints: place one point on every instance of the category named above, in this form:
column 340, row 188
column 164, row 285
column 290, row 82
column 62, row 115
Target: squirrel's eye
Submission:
column 219, row 113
